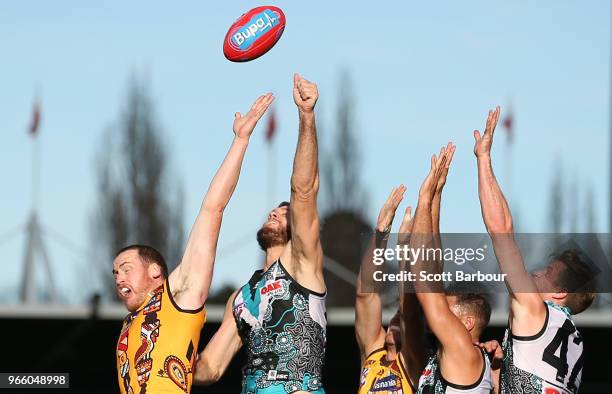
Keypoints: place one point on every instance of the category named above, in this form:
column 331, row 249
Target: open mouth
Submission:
column 124, row 291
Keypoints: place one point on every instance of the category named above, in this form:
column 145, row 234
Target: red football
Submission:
column 254, row 34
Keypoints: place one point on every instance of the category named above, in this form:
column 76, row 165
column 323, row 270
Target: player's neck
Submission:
column 272, row 254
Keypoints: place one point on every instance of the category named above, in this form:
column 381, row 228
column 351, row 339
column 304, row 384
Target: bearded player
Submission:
column 456, row 319
column 391, row 359
column 279, row 315
column 159, row 338
column 543, row 350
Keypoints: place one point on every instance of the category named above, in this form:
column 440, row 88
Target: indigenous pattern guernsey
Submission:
column 379, row 376
column 549, row 362
column 282, row 325
column 432, row 382
column 158, row 346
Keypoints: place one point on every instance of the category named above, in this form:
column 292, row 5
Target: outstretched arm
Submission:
column 306, row 246
column 191, row 279
column 219, row 352
column 413, row 331
column 527, row 309
column 460, row 362
column 368, row 306
column 412, row 326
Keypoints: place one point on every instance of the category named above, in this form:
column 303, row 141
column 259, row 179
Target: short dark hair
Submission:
column 283, row 204
column 577, row 279
column 148, row 254
column 477, row 304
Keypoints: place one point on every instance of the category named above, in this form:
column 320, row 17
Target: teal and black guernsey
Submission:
column 282, row 325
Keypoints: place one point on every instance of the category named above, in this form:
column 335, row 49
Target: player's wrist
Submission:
column 483, row 157
column 306, row 112
column 242, row 139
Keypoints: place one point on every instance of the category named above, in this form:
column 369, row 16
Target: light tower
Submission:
column 35, row 246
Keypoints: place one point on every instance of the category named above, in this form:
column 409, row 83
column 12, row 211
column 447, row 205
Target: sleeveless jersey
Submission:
column 549, row 362
column 379, row 376
column 432, row 382
column 157, row 346
column 282, row 326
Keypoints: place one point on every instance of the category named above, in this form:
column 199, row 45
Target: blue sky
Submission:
column 422, row 74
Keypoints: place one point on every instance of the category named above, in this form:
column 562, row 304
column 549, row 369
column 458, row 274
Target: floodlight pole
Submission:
column 35, row 243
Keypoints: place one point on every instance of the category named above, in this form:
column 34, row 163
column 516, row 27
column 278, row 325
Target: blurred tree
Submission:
column 137, row 202
column 345, row 201
column 341, row 166
column 589, row 209
column 556, row 204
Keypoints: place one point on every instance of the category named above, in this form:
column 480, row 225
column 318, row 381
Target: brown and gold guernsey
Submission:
column 379, row 376
column 158, row 346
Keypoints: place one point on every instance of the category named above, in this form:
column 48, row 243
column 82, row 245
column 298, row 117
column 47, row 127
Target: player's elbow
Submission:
column 500, row 226
column 303, row 188
column 205, row 375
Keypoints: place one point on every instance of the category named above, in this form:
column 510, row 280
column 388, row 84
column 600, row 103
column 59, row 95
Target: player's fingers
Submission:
column 265, row 102
column 477, row 135
column 392, row 194
column 451, row 153
column 308, row 91
column 407, row 215
column 399, row 195
column 237, row 115
column 257, row 103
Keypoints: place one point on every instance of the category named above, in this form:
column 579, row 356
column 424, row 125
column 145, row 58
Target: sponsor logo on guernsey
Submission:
column 259, row 24
column 273, row 288
column 386, row 384
column 277, row 375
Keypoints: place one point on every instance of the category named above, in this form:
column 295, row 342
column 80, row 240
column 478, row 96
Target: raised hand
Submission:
column 430, row 184
column 244, row 125
column 482, row 147
column 305, row 94
column 387, row 212
column 449, row 151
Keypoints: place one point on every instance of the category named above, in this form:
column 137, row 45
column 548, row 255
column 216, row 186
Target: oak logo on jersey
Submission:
column 273, row 288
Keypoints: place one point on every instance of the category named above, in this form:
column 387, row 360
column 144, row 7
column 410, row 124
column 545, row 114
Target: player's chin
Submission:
column 130, row 303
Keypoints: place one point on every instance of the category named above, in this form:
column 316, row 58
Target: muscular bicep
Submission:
column 220, row 350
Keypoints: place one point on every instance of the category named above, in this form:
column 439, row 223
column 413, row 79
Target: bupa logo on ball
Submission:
column 256, row 27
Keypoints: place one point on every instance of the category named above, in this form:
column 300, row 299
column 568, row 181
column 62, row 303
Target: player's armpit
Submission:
column 219, row 352
column 527, row 310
